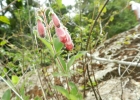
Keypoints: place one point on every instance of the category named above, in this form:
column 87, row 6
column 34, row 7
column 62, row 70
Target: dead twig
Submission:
column 114, row 61
column 8, row 5
column 93, row 89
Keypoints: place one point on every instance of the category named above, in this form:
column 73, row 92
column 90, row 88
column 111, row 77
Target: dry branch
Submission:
column 114, row 61
column 8, row 5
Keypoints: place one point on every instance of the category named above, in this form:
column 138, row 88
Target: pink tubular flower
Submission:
column 69, row 44
column 40, row 28
column 56, row 20
column 60, row 32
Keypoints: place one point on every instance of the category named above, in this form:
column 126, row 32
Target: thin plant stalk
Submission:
column 93, row 89
column 50, row 38
column 37, row 73
column 12, row 88
column 49, row 84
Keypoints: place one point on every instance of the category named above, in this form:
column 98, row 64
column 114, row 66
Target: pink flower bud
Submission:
column 56, row 20
column 69, row 44
column 67, row 35
column 60, row 32
column 40, row 28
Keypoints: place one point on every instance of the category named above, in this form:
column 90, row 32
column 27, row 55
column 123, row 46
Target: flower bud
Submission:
column 61, row 34
column 69, row 44
column 40, row 28
column 56, row 20
column 67, row 35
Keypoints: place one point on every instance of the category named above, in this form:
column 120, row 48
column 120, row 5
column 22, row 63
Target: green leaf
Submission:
column 104, row 10
column 10, row 64
column 71, row 61
column 74, row 94
column 80, row 53
column 111, row 18
column 7, row 95
column 4, row 70
column 22, row 92
column 2, row 43
column 73, row 58
column 62, row 91
column 57, row 44
column 73, row 97
column 4, row 19
column 15, row 79
column 74, row 89
column 47, row 44
column 93, row 83
column 80, row 97
column 59, row 3
column 37, row 98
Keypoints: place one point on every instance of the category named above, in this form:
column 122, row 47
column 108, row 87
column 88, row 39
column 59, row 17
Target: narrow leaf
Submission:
column 73, row 97
column 75, row 57
column 47, row 44
column 7, row 95
column 62, row 91
column 22, row 92
column 71, row 61
column 74, row 89
column 57, row 44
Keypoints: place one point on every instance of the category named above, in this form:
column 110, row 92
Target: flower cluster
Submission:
column 62, row 33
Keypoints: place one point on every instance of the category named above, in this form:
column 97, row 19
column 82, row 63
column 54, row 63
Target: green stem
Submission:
column 51, row 40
